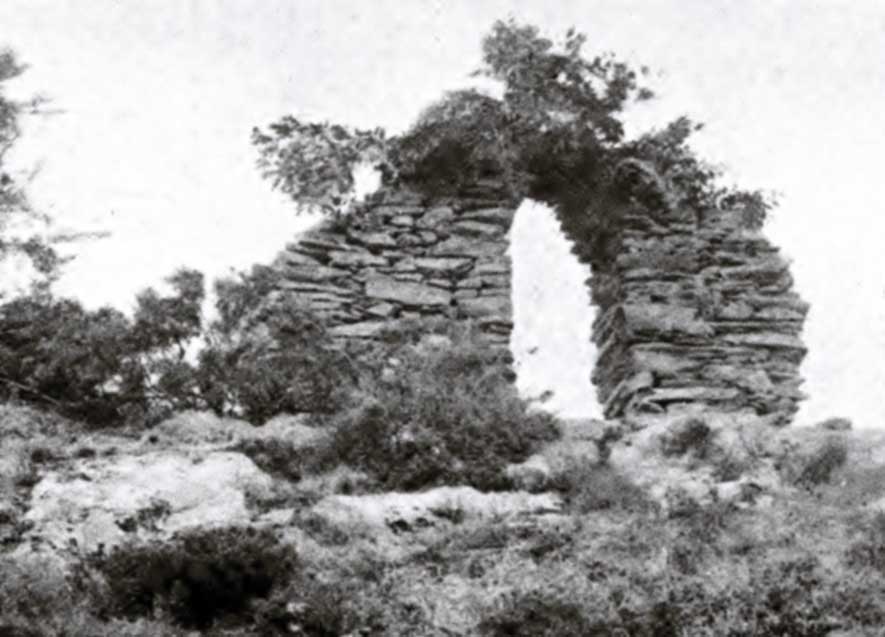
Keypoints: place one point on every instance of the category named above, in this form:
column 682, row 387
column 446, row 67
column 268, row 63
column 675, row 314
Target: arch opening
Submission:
column 552, row 315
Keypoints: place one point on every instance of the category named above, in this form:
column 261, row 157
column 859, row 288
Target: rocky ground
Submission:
column 600, row 515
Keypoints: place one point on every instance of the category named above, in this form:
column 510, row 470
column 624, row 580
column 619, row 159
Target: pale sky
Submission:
column 159, row 98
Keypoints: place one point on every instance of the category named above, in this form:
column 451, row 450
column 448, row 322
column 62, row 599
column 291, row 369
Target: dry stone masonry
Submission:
column 406, row 256
column 694, row 309
column 697, row 311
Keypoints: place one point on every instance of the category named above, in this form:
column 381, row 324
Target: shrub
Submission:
column 697, row 536
column 595, row 487
column 817, row 466
column 273, row 455
column 317, row 609
column 99, row 365
column 794, row 597
column 267, row 355
column 869, row 551
column 198, row 577
column 447, row 415
column 691, row 434
column 536, row 614
column 260, row 357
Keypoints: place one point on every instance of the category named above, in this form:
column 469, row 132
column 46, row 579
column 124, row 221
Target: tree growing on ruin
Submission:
column 555, row 134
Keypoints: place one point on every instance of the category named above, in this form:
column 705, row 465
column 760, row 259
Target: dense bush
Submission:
column 596, row 487
column 317, row 609
column 438, row 415
column 56, row 354
column 259, row 357
column 266, row 355
column 197, row 578
column 869, row 550
column 815, row 466
column 787, row 598
column 535, row 614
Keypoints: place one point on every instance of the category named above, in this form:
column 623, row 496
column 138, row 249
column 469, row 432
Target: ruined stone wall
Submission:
column 403, row 255
column 697, row 311
column 690, row 312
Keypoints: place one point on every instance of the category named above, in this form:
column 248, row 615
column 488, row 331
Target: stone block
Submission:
column 492, row 268
column 314, row 273
column 405, row 292
column 472, row 283
column 437, row 217
column 404, row 221
column 378, row 240
column 293, row 257
column 662, row 319
column 460, row 246
column 502, row 217
column 486, row 306
column 773, row 340
column 382, row 310
column 356, row 259
column 442, row 266
column 365, row 329
column 476, row 229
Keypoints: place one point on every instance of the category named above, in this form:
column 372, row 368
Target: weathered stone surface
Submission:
column 495, row 267
column 403, row 220
column 382, row 513
column 498, row 216
column 407, row 276
column 470, row 283
column 442, row 266
column 438, row 217
column 440, row 283
column 297, row 258
column 356, row 259
column 405, row 292
column 735, row 311
column 373, row 239
column 463, row 246
column 485, row 306
column 324, row 242
column 383, row 310
column 785, row 341
column 167, row 490
column 696, row 393
column 314, row 273
column 366, row 329
column 476, row 229
column 306, row 287
column 662, row 319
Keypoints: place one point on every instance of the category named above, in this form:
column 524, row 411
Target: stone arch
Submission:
column 694, row 310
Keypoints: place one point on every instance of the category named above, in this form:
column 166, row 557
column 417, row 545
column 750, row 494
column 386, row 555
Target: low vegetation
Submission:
column 437, row 414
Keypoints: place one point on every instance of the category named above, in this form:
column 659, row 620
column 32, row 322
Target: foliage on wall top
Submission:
column 555, row 134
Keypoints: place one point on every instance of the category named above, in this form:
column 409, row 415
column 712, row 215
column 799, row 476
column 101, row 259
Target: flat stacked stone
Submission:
column 403, row 255
column 697, row 312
